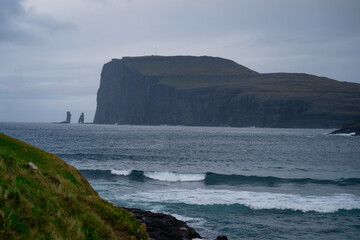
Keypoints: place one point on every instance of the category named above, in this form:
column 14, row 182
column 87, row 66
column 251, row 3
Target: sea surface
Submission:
column 246, row 183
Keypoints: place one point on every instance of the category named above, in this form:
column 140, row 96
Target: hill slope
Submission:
column 209, row 91
column 54, row 201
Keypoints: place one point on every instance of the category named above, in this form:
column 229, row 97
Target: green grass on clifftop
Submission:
column 55, row 201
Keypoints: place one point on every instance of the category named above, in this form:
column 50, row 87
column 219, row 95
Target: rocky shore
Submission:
column 166, row 227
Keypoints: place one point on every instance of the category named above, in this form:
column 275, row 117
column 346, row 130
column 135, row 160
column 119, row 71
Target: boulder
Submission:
column 164, row 227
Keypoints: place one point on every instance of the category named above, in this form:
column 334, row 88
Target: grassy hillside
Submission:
column 186, row 72
column 54, row 201
column 185, row 65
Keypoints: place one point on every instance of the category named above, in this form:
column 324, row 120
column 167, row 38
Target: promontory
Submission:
column 212, row 91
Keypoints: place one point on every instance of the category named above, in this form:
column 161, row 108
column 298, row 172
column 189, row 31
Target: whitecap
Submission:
column 175, row 177
column 346, row 134
column 191, row 220
column 121, row 172
column 253, row 200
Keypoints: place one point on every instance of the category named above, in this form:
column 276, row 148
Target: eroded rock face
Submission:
column 206, row 91
column 164, row 227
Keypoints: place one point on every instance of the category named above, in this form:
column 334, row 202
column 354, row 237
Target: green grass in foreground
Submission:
column 55, row 201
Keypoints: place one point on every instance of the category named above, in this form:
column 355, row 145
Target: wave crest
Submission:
column 121, row 172
column 175, row 177
column 212, row 178
column 253, row 200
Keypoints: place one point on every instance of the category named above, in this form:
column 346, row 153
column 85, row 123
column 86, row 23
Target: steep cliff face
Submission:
column 209, row 91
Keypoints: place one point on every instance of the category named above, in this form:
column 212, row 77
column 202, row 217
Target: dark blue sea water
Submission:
column 246, row 183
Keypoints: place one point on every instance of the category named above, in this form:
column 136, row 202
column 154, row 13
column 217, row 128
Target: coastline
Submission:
column 28, row 160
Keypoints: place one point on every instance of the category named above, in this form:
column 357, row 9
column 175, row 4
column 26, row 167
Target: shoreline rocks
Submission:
column 161, row 226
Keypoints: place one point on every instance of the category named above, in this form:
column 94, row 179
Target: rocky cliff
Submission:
column 209, row 91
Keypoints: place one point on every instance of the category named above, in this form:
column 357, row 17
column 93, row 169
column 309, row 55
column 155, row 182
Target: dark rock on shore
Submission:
column 164, row 227
column 349, row 128
column 211, row 91
column 222, row 238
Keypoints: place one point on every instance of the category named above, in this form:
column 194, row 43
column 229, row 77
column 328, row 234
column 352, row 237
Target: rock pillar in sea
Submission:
column 81, row 118
column 68, row 117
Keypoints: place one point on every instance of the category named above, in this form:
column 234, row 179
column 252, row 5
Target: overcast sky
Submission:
column 52, row 51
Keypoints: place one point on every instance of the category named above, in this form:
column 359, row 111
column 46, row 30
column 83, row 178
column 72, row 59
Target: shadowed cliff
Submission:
column 209, row 91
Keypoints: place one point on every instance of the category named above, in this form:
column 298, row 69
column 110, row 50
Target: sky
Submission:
column 52, row 51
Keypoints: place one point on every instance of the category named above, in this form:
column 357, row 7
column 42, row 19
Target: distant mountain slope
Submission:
column 211, row 91
column 42, row 197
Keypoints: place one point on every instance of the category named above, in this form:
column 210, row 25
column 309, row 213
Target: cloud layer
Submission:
column 51, row 52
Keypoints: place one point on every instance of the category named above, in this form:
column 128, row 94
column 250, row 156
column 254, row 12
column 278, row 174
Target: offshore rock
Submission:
column 81, row 118
column 164, row 227
column 68, row 117
column 351, row 128
column 210, row 91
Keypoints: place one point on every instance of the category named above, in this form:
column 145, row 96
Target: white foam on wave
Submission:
column 175, row 177
column 193, row 221
column 254, row 200
column 121, row 172
column 346, row 134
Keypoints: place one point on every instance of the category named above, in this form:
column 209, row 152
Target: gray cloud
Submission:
column 23, row 26
column 51, row 52
column 9, row 12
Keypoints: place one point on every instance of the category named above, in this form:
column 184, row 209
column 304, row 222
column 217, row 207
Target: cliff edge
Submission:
column 211, row 91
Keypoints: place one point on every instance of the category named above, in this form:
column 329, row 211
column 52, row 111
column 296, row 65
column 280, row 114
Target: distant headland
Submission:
column 212, row 91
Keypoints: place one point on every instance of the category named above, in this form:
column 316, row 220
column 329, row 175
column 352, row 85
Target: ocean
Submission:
column 246, row 183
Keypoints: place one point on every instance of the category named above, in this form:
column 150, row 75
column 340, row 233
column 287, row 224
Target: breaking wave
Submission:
column 212, row 178
column 253, row 200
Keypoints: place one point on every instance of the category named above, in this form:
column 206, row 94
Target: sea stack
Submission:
column 212, row 91
column 81, row 118
column 68, row 117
